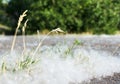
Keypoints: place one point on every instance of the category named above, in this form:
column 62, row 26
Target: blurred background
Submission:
column 73, row 16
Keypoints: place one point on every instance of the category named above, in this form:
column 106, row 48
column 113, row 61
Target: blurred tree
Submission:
column 2, row 12
column 102, row 16
column 0, row 3
column 15, row 8
column 4, row 20
column 98, row 16
column 56, row 13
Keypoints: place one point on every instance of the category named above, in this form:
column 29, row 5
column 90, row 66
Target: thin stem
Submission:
column 18, row 26
column 41, row 43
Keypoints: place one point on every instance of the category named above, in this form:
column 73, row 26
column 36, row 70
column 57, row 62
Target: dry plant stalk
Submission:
column 18, row 26
column 23, row 35
column 38, row 33
column 54, row 30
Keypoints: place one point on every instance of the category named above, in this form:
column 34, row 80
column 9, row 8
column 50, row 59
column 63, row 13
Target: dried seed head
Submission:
column 58, row 30
column 21, row 17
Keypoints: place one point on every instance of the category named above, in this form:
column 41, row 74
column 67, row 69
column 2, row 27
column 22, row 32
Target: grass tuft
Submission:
column 3, row 67
column 25, row 61
column 71, row 48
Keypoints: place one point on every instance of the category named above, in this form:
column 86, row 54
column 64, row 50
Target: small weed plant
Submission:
column 25, row 61
column 71, row 48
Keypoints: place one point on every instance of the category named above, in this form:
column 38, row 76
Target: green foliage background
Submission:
column 74, row 16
